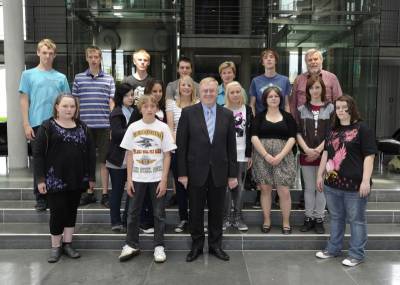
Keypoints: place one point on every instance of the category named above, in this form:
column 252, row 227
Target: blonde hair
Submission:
column 146, row 98
column 193, row 96
column 208, row 80
column 142, row 52
column 229, row 86
column 227, row 64
column 50, row 44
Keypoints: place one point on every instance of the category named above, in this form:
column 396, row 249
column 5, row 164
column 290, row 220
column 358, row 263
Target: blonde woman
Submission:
column 243, row 115
column 186, row 97
column 227, row 72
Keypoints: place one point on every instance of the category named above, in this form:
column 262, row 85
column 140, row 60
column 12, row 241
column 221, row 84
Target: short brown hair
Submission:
column 58, row 100
column 271, row 51
column 93, row 48
column 227, row 64
column 146, row 98
column 50, row 44
column 269, row 90
column 352, row 110
column 310, row 82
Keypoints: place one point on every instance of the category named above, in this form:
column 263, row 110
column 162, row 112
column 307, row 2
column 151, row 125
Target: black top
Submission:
column 347, row 146
column 118, row 127
column 138, row 86
column 284, row 129
column 64, row 158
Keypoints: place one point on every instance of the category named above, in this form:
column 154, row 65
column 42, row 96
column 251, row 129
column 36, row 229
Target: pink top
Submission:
column 298, row 96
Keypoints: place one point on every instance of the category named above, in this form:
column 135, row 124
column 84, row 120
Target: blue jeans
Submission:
column 346, row 206
column 118, row 179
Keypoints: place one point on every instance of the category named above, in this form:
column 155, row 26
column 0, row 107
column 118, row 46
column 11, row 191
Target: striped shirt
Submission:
column 94, row 94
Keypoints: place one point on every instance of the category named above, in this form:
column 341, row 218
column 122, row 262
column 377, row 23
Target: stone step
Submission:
column 377, row 194
column 24, row 212
column 95, row 236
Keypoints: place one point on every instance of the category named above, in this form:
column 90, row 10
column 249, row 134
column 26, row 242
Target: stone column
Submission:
column 14, row 59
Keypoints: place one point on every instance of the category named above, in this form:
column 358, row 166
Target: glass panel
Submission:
column 119, row 28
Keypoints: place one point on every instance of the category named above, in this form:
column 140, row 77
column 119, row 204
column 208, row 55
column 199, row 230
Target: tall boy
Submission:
column 148, row 143
column 138, row 80
column 95, row 91
column 39, row 87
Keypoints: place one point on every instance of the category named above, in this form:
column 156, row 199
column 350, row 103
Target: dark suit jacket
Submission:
column 196, row 155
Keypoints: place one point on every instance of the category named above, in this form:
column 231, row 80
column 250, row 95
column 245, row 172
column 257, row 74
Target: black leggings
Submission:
column 63, row 208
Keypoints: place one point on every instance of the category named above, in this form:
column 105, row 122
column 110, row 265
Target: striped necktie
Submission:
column 210, row 124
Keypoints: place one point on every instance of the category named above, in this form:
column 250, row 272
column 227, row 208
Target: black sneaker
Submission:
column 87, row 198
column 104, row 201
column 309, row 223
column 41, row 205
column 319, row 226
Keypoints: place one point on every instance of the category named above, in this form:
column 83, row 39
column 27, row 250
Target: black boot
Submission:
column 309, row 223
column 55, row 254
column 319, row 226
column 70, row 251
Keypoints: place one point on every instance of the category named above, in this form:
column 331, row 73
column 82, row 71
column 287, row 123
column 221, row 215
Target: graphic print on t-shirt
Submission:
column 148, row 151
column 338, row 141
column 240, row 123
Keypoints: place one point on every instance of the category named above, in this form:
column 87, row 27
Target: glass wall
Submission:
column 120, row 27
column 347, row 32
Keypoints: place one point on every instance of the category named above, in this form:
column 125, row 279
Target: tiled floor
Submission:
column 250, row 267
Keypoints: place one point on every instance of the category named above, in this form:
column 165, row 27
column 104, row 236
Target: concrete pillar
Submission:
column 14, row 60
column 245, row 70
column 245, row 17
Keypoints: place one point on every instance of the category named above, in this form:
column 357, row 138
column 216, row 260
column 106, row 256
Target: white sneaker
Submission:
column 159, row 254
column 127, row 253
column 324, row 254
column 181, row 226
column 351, row 262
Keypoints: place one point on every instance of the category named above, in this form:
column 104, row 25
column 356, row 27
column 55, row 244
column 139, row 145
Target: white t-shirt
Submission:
column 148, row 142
column 240, row 128
column 176, row 111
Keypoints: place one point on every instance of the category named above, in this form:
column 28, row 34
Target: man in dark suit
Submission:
column 206, row 164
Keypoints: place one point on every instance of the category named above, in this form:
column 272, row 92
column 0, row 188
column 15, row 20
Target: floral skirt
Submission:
column 284, row 174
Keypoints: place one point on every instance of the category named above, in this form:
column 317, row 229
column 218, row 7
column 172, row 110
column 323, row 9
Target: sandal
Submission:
column 265, row 228
column 286, row 230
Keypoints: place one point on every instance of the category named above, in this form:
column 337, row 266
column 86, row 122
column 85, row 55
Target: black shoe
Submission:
column 69, row 251
column 309, row 223
column 41, row 205
column 265, row 228
column 104, row 201
column 319, row 226
column 219, row 253
column 257, row 205
column 87, row 198
column 172, row 201
column 55, row 254
column 194, row 254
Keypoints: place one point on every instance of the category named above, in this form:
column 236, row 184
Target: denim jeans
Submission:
column 118, row 179
column 135, row 206
column 345, row 206
column 182, row 196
